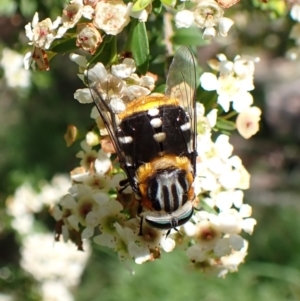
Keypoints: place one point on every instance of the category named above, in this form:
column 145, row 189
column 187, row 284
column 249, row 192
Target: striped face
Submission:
column 168, row 190
column 155, row 139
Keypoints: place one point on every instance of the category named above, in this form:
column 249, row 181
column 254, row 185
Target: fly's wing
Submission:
column 102, row 87
column 181, row 84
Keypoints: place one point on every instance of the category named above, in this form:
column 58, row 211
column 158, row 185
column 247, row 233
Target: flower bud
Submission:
column 88, row 37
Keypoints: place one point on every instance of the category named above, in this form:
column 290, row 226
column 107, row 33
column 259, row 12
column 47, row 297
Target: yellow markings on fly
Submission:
column 169, row 161
column 146, row 103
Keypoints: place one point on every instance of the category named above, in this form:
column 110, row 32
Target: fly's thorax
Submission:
column 146, row 103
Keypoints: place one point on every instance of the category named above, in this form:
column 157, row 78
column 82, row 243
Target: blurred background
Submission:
column 35, row 110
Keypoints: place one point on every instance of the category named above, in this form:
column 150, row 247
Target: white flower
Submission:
column 295, row 12
column 224, row 200
column 87, row 155
column 222, row 247
column 207, row 234
column 207, row 14
column 106, row 239
column 83, row 95
column 24, row 224
column 223, row 147
column 46, row 259
column 241, row 101
column 244, row 66
column 236, row 242
column 51, row 192
column 125, row 69
column 247, row 122
column 81, row 201
column 168, row 244
column 224, row 26
column 184, row 18
column 225, row 245
column 109, row 214
column 205, row 180
column 25, row 200
column 97, row 73
column 87, row 232
column 237, row 198
column 234, row 82
column 230, row 221
column 117, row 105
column 231, row 262
column 14, row 73
column 53, row 290
column 72, row 13
column 197, row 253
column 80, row 60
column 228, row 88
column 56, row 213
column 248, row 225
column 102, row 162
column 111, row 16
column 129, row 247
column 41, row 34
column 92, row 138
column 209, row 81
column 212, row 117
column 95, row 113
column 209, row 33
column 147, row 81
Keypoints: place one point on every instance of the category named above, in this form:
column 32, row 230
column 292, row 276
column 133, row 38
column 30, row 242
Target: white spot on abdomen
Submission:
column 159, row 137
column 156, row 122
column 125, row 139
column 153, row 112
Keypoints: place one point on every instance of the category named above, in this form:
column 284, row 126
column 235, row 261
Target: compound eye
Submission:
column 152, row 194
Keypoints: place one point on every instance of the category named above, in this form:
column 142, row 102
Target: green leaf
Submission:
column 160, row 89
column 139, row 46
column 276, row 8
column 27, row 8
column 171, row 3
column 207, row 98
column 156, row 6
column 8, row 7
column 225, row 125
column 189, row 36
column 140, row 5
column 104, row 51
column 64, row 45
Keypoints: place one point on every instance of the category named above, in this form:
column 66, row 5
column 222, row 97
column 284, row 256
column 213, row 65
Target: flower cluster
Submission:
column 42, row 257
column 95, row 19
column 100, row 17
column 95, row 207
column 233, row 83
column 14, row 73
column 118, row 86
column 205, row 14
